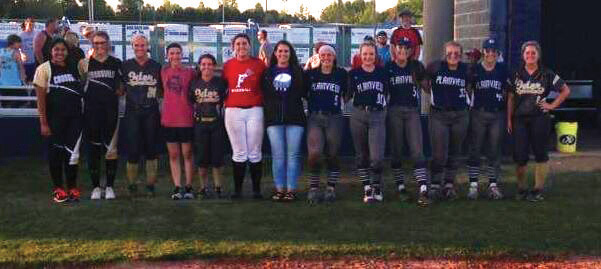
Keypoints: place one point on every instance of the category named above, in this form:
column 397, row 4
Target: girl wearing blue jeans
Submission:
column 285, row 118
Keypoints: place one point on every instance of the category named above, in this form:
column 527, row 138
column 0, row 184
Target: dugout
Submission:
column 565, row 31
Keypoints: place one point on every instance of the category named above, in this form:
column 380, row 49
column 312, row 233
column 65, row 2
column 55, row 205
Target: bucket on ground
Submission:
column 566, row 136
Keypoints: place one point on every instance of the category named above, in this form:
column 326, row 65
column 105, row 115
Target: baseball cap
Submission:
column 406, row 12
column 368, row 38
column 490, row 43
column 475, row 53
column 382, row 33
column 405, row 42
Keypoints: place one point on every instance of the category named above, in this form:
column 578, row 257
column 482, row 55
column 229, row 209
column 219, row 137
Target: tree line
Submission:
column 352, row 12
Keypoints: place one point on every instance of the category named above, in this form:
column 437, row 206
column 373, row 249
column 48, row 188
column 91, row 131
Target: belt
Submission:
column 369, row 108
column 438, row 108
column 206, row 119
column 244, row 107
column 324, row 113
column 490, row 109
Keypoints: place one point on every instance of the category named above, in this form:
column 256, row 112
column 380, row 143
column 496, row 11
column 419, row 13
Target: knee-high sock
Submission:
column 333, row 178
column 111, row 172
column 71, row 175
column 398, row 175
column 94, row 156
column 239, row 169
column 540, row 175
column 314, row 176
column 492, row 173
column 376, row 177
column 363, row 174
column 256, row 173
column 55, row 162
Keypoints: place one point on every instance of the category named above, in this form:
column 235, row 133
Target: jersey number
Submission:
column 381, row 100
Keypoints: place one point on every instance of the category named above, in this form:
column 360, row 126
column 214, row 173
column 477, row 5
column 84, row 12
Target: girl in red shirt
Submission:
column 244, row 113
column 177, row 120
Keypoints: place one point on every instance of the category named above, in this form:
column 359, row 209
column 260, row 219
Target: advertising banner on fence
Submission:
column 176, row 33
column 358, row 34
column 299, row 35
column 131, row 30
column 204, row 34
column 327, row 35
column 198, row 51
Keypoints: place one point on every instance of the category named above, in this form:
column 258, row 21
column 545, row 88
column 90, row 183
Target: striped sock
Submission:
column 421, row 175
column 314, row 180
column 492, row 174
column 333, row 178
column 376, row 179
column 473, row 173
column 399, row 176
column 363, row 174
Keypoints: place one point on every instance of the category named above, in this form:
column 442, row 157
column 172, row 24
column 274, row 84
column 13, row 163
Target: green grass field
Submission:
column 35, row 232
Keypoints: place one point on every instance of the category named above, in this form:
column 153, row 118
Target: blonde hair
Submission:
column 368, row 44
column 451, row 43
column 139, row 36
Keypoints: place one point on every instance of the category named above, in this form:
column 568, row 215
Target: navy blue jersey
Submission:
column 369, row 88
column 325, row 91
column 449, row 87
column 489, row 87
column 404, row 83
column 530, row 89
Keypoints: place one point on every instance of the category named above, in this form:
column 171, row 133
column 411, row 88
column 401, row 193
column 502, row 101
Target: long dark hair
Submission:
column 297, row 72
column 205, row 56
column 56, row 41
column 241, row 35
column 293, row 61
column 539, row 51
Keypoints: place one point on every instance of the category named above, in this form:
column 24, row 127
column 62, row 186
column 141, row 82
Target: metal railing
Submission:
column 24, row 105
column 19, row 105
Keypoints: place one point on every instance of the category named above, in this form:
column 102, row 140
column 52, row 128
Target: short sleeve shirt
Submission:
column 207, row 97
column 530, row 89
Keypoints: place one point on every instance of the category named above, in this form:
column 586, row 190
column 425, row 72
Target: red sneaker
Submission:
column 59, row 195
column 74, row 194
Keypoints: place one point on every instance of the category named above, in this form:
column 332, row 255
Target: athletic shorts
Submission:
column 142, row 127
column 531, row 133
column 178, row 134
column 209, row 143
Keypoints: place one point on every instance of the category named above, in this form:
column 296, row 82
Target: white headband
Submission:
column 327, row 48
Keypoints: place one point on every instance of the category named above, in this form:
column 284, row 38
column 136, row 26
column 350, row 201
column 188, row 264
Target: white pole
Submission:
column 91, row 10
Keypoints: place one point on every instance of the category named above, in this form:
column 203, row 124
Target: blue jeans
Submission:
column 285, row 143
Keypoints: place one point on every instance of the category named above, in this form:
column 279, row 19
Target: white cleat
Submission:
column 109, row 193
column 96, row 193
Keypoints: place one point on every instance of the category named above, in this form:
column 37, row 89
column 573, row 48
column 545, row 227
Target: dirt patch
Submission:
column 566, row 163
column 575, row 262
